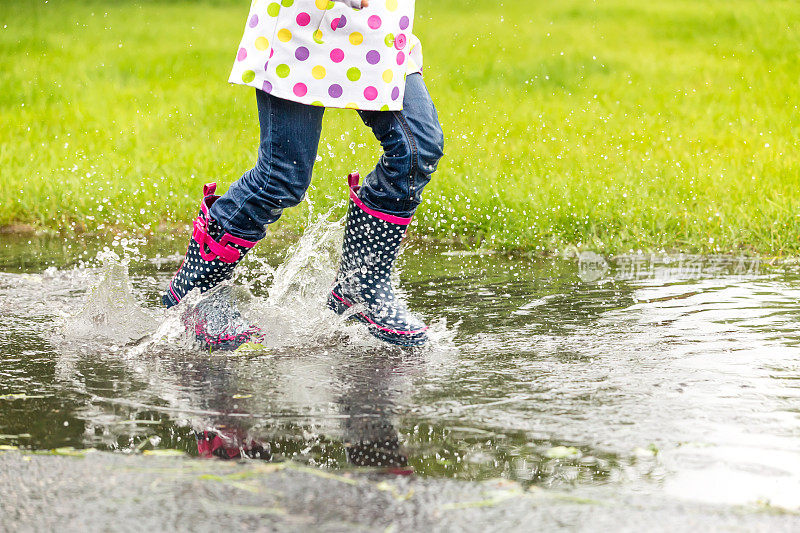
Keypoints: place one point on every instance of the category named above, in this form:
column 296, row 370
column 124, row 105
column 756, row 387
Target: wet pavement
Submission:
column 583, row 392
column 111, row 492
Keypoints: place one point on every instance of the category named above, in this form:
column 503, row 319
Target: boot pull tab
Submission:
column 209, row 189
column 352, row 179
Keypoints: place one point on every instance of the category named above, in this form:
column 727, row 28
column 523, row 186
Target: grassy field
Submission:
column 610, row 125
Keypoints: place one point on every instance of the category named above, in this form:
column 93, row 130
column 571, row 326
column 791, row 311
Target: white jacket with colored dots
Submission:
column 329, row 54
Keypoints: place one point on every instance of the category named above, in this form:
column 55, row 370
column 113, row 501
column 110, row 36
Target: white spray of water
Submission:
column 111, row 311
column 293, row 313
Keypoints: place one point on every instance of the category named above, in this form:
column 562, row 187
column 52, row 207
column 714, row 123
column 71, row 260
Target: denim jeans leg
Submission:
column 413, row 143
column 290, row 134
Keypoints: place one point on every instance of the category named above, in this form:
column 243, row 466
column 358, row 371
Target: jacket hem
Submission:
column 325, row 100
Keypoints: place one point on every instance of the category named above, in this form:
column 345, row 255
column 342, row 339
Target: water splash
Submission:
column 287, row 302
column 111, row 311
column 294, row 311
column 213, row 309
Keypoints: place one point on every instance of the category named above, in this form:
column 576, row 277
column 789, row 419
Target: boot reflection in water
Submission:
column 368, row 399
column 227, row 446
column 381, row 209
column 378, row 446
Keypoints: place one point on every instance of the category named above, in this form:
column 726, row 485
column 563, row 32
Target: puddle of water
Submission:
column 556, row 373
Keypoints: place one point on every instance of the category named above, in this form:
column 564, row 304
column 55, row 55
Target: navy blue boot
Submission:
column 371, row 244
column 217, row 323
column 210, row 259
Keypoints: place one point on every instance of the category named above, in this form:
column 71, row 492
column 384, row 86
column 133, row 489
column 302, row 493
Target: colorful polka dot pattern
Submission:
column 320, row 52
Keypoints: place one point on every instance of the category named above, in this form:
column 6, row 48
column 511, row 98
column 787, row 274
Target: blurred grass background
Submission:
column 613, row 125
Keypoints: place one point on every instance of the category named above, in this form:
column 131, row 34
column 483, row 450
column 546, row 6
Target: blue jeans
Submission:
column 412, row 141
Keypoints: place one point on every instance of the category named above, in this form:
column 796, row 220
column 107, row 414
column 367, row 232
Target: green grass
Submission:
column 612, row 125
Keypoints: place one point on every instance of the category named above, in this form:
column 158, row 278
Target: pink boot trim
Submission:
column 209, row 248
column 352, row 182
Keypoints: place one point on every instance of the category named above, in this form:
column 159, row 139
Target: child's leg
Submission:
column 380, row 212
column 289, row 139
column 413, row 143
column 228, row 226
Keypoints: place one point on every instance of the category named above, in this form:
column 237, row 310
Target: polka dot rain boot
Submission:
column 371, row 244
column 217, row 322
column 210, row 259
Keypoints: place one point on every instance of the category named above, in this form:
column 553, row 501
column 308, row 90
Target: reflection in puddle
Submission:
column 545, row 372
